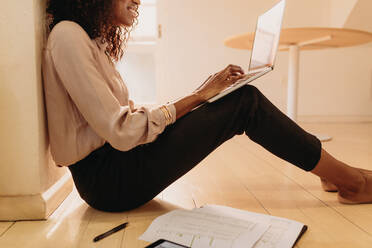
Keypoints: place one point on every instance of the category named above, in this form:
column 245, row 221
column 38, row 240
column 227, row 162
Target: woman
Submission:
column 121, row 157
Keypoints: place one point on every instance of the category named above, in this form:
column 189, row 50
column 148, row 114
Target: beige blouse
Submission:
column 87, row 101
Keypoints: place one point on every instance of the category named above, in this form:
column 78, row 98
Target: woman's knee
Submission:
column 250, row 97
column 251, row 91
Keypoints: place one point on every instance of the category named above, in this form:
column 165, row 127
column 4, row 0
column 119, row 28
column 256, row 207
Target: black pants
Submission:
column 113, row 180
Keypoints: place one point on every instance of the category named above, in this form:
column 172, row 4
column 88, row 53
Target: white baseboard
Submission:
column 334, row 118
column 36, row 207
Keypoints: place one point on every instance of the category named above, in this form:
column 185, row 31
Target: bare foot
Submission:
column 365, row 171
column 327, row 186
column 362, row 195
column 330, row 187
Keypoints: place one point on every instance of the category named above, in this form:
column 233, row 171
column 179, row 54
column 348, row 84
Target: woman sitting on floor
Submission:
column 121, row 157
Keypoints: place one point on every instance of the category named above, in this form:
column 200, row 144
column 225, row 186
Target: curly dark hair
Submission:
column 95, row 17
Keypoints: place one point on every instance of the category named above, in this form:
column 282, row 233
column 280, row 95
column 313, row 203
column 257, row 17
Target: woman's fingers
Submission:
column 233, row 73
column 238, row 77
column 237, row 74
column 227, row 76
column 234, row 68
column 219, row 81
column 230, row 70
column 234, row 79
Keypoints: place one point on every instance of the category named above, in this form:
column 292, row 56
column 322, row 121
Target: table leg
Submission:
column 293, row 77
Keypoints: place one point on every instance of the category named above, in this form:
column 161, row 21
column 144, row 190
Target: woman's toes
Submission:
column 327, row 186
column 365, row 171
column 364, row 195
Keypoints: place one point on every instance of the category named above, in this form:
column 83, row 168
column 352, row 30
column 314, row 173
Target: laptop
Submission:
column 265, row 47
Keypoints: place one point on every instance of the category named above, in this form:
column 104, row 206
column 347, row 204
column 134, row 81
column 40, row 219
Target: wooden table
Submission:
column 296, row 39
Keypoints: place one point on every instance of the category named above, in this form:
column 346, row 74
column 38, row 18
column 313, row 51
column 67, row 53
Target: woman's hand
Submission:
column 211, row 87
column 219, row 81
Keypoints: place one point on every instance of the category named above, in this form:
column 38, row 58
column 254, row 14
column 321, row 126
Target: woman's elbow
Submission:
column 127, row 141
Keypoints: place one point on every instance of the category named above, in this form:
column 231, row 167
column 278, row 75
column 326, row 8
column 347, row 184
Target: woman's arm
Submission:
column 211, row 87
column 72, row 69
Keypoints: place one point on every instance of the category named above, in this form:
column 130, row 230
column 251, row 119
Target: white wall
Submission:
column 26, row 168
column 138, row 73
column 360, row 16
column 340, row 11
column 19, row 128
column 334, row 82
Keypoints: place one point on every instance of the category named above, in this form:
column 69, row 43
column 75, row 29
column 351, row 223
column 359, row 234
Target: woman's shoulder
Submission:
column 68, row 31
column 67, row 27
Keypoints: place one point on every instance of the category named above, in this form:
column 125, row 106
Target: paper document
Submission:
column 200, row 229
column 282, row 232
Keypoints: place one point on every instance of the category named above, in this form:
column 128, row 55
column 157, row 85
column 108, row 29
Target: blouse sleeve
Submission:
column 74, row 60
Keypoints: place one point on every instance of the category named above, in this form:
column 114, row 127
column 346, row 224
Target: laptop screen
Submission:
column 267, row 37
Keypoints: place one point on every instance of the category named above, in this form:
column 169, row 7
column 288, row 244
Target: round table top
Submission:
column 335, row 37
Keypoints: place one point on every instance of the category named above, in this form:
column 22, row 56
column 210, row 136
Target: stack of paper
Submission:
column 220, row 227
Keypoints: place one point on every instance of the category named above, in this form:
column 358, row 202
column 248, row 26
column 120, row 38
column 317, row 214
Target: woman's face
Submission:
column 125, row 11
